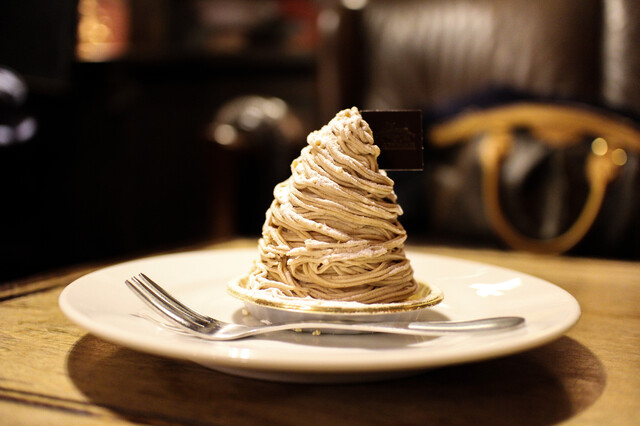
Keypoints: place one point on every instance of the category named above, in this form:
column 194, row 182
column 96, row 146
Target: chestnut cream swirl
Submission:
column 332, row 231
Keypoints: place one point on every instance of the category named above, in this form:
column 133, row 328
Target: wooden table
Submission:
column 52, row 372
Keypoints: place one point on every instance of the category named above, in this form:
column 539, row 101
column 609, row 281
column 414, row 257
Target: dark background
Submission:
column 123, row 161
column 130, row 98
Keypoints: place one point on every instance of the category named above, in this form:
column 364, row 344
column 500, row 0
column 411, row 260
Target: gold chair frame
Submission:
column 558, row 126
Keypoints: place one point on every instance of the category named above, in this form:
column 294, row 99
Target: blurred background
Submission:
column 132, row 126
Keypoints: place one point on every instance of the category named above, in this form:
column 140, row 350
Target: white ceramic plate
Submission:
column 102, row 304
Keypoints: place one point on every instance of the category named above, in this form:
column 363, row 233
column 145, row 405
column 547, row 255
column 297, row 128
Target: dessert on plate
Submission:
column 332, row 234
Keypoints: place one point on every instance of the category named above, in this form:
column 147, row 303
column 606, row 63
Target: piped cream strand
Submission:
column 332, row 231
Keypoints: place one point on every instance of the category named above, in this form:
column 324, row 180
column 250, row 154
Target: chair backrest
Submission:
column 425, row 53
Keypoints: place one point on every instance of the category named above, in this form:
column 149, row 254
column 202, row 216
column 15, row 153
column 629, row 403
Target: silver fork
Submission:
column 209, row 328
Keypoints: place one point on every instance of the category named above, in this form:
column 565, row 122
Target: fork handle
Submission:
column 435, row 328
column 439, row 327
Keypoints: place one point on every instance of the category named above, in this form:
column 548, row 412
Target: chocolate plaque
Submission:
column 398, row 133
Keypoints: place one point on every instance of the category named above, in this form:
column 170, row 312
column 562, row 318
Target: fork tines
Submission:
column 162, row 302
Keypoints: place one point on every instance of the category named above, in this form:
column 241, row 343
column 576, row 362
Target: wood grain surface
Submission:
column 52, row 372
